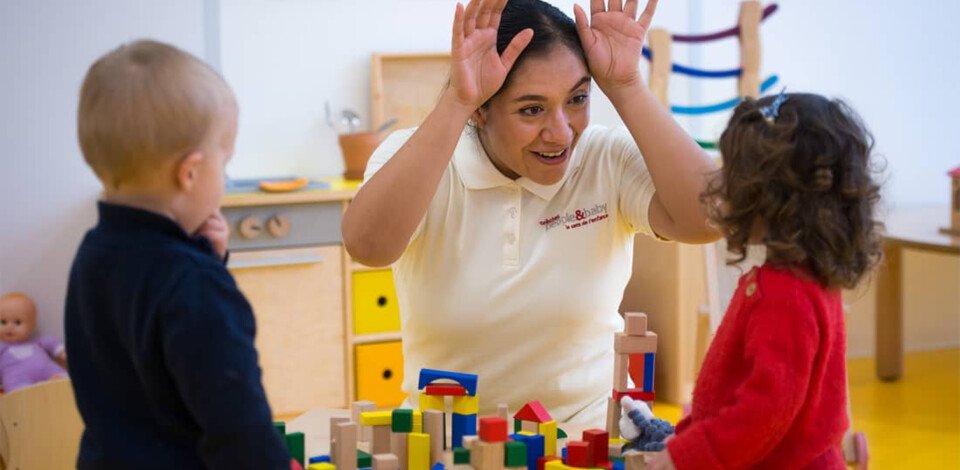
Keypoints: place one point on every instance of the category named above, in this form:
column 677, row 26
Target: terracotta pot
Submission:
column 356, row 149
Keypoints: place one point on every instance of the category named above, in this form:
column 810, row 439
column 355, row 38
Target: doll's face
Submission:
column 17, row 319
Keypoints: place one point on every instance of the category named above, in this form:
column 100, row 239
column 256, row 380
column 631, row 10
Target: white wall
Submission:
column 48, row 195
column 285, row 58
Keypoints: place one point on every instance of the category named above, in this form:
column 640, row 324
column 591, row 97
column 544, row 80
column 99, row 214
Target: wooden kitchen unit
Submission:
column 328, row 329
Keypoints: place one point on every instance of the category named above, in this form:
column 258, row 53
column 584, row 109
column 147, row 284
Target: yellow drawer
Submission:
column 379, row 373
column 375, row 307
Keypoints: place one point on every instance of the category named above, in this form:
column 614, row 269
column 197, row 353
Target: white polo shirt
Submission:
column 519, row 282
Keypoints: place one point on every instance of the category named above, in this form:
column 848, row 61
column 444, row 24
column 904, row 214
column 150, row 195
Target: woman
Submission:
column 509, row 221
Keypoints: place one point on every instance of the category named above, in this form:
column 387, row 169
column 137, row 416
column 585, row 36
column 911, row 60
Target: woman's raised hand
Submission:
column 476, row 70
column 613, row 40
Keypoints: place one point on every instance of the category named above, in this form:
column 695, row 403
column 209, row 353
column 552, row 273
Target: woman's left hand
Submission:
column 613, row 40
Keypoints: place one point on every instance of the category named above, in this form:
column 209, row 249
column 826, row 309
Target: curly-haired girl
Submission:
column 797, row 179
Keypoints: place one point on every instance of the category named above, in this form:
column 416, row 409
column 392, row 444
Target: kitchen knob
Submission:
column 250, row 227
column 278, row 226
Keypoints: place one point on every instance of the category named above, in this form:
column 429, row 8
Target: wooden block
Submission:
column 381, row 440
column 599, row 441
column 322, row 466
column 417, row 421
column 635, row 324
column 398, row 446
column 334, row 421
column 376, row 418
column 364, row 433
column 634, row 461
column 493, row 429
column 431, row 402
column 487, row 455
column 445, row 390
column 623, row 344
column 469, row 441
column 579, row 454
column 418, row 451
column 433, row 426
column 613, row 417
column 402, row 420
column 503, row 411
column 549, row 431
column 466, row 405
column 385, row 462
column 750, row 14
column 621, row 370
column 542, row 462
column 614, row 448
column 345, row 457
column 558, row 464
column 661, row 64
column 635, row 393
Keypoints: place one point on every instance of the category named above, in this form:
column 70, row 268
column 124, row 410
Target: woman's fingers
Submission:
column 516, row 46
column 470, row 17
column 597, row 6
column 457, row 37
column 615, row 5
column 647, row 16
column 583, row 27
column 630, row 8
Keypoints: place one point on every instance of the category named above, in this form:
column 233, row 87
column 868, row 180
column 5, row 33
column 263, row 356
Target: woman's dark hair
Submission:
column 550, row 27
column 805, row 176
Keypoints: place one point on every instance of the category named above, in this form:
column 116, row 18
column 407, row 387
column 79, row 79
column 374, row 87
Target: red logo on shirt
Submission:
column 577, row 218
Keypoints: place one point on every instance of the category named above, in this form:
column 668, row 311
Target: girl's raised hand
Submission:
column 613, row 40
column 476, row 70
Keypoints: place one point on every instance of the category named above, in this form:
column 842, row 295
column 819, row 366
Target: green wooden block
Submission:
column 295, row 446
column 364, row 459
column 461, row 455
column 517, row 426
column 402, row 420
column 281, row 427
column 515, row 454
column 561, row 434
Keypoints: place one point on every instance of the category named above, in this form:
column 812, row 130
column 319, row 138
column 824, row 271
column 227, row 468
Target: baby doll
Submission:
column 25, row 360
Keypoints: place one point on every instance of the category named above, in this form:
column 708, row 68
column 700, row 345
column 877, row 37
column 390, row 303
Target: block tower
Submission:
column 435, row 385
column 635, row 349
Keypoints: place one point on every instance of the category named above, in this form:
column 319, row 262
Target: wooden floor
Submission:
column 913, row 423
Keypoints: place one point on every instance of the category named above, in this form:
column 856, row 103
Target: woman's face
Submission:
column 530, row 128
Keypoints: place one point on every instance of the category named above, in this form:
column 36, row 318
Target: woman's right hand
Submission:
column 476, row 70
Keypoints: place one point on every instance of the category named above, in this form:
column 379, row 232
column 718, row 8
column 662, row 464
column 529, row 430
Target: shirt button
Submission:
column 751, row 289
column 511, row 238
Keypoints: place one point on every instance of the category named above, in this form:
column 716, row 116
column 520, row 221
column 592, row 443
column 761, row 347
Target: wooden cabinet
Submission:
column 328, row 329
column 298, row 303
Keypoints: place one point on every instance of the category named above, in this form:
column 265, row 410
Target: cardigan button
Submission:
column 751, row 289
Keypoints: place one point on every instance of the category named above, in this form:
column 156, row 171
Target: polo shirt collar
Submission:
column 477, row 171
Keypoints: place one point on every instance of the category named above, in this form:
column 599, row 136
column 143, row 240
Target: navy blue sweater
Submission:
column 160, row 348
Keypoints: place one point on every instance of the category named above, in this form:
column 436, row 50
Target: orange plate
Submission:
column 283, row 186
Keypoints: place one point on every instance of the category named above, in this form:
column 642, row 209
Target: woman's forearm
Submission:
column 385, row 212
column 679, row 167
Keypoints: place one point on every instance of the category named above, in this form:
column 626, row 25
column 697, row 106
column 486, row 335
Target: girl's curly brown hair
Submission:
column 804, row 179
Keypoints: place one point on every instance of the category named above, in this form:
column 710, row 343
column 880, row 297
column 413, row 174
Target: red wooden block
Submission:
column 542, row 461
column 533, row 411
column 635, row 393
column 579, row 454
column 635, row 367
column 493, row 429
column 459, row 390
column 599, row 441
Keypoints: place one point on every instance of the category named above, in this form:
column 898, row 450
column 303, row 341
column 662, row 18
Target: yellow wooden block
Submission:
column 466, row 405
column 375, row 308
column 430, row 402
column 559, row 465
column 527, row 433
column 376, row 418
column 418, row 451
column 417, row 421
column 322, row 466
column 379, row 373
column 549, row 431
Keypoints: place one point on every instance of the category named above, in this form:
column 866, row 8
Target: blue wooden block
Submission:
column 463, row 425
column 618, row 465
column 535, row 448
column 437, row 466
column 468, row 381
column 648, row 362
column 319, row 458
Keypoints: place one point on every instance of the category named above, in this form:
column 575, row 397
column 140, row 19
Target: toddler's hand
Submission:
column 217, row 231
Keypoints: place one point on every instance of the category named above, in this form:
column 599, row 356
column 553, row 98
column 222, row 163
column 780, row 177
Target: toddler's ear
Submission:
column 187, row 170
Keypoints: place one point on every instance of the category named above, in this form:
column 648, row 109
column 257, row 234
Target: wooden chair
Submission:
column 40, row 427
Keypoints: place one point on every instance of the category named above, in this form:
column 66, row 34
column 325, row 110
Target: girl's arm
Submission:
column 613, row 40
column 385, row 212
